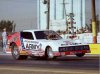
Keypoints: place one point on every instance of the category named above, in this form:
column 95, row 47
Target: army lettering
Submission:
column 32, row 46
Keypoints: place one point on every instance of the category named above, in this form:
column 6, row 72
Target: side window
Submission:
column 27, row 35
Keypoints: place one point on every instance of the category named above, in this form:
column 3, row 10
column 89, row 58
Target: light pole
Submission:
column 48, row 19
column 94, row 22
column 64, row 14
column 55, row 10
column 81, row 14
column 48, row 12
column 71, row 16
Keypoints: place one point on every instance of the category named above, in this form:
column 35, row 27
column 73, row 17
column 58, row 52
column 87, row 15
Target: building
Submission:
column 59, row 14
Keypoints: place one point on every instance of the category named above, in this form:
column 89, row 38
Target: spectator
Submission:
column 4, row 38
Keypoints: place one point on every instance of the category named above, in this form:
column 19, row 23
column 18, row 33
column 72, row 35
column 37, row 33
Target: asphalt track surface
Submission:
column 64, row 65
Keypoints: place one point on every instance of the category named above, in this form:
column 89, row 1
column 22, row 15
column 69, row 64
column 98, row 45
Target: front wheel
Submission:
column 80, row 54
column 49, row 53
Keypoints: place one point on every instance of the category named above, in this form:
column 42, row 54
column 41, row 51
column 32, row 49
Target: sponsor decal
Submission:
column 35, row 42
column 33, row 46
column 29, row 44
column 68, row 43
column 15, row 38
column 22, row 43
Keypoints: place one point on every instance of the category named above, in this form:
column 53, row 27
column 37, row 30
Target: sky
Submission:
column 22, row 12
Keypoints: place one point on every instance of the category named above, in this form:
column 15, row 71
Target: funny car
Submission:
column 43, row 43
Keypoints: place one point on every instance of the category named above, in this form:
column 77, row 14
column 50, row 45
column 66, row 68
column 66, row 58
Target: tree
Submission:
column 9, row 25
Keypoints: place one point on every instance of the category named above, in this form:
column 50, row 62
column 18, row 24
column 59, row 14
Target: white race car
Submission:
column 43, row 43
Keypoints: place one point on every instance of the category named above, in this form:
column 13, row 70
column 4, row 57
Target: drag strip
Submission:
column 63, row 65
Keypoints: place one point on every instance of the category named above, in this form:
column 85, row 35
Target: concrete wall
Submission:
column 82, row 38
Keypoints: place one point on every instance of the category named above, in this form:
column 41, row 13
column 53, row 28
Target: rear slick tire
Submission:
column 80, row 54
column 15, row 53
column 49, row 54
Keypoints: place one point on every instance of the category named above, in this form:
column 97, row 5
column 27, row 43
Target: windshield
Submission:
column 47, row 35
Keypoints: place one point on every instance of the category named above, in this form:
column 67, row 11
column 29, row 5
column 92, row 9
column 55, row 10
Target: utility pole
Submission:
column 64, row 14
column 71, row 16
column 48, row 12
column 39, row 16
column 81, row 14
column 64, row 9
column 48, row 15
column 55, row 9
column 94, row 22
column 71, row 6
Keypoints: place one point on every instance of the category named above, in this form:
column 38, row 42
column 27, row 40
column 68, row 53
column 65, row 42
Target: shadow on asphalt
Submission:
column 67, row 58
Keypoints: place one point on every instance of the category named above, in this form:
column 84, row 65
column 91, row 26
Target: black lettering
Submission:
column 34, row 46
column 27, row 46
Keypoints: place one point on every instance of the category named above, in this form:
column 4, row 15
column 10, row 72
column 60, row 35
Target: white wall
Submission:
column 42, row 18
column 82, row 38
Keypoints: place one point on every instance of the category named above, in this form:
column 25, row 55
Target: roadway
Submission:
column 64, row 65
